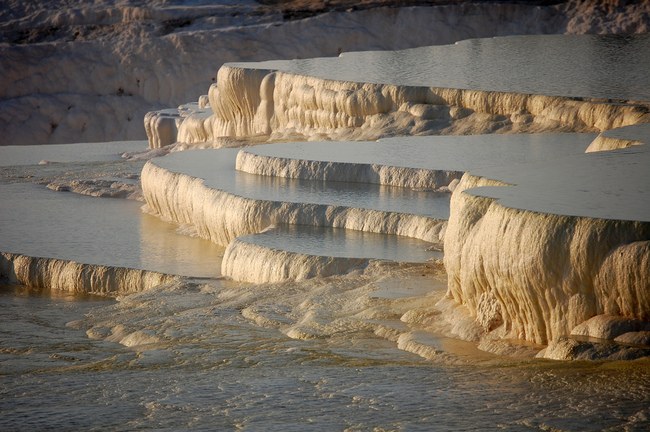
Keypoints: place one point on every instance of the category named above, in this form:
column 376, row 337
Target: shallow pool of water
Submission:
column 39, row 222
column 449, row 153
column 217, row 168
column 218, row 371
column 598, row 66
column 80, row 152
column 342, row 243
column 606, row 185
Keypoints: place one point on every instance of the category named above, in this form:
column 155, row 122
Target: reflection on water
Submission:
column 218, row 171
column 343, row 243
column 459, row 153
column 607, row 185
column 114, row 232
column 600, row 66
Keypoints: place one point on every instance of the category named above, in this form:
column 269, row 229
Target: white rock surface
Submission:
column 253, row 263
column 50, row 273
column 90, row 71
column 571, row 240
column 414, row 162
column 251, row 100
column 297, row 252
column 221, row 216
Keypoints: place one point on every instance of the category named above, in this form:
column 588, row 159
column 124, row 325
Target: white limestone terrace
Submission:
column 563, row 250
column 535, row 261
column 67, row 241
column 612, row 185
column 414, row 162
column 551, row 65
column 506, row 84
column 88, row 71
column 204, row 189
column 298, row 252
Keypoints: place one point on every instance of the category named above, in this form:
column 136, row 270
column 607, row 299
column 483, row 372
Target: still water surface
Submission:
column 217, row 169
column 596, row 66
column 343, row 243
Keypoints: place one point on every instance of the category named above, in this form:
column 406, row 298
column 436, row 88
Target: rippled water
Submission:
column 217, row 355
column 218, row 371
column 211, row 354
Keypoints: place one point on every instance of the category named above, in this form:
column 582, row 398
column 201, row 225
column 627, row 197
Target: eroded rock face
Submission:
column 285, row 106
column 610, row 327
column 51, row 273
column 221, row 216
column 488, row 312
column 637, row 338
column 547, row 273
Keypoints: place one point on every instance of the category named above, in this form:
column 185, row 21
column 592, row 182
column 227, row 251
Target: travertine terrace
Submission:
column 523, row 271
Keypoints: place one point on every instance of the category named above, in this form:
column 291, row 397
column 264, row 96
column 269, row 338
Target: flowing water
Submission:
column 218, row 371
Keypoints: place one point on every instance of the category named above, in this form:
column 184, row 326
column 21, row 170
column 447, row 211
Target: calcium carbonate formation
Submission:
column 51, row 273
column 525, row 259
column 522, row 272
column 90, row 72
column 521, row 87
column 249, row 102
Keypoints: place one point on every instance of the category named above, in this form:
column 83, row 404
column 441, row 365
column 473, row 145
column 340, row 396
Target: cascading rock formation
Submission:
column 524, row 271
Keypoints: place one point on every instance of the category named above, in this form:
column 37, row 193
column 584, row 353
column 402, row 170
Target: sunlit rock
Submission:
column 610, row 327
column 283, row 253
column 412, row 92
column 123, row 60
column 50, row 273
column 555, row 244
column 566, row 348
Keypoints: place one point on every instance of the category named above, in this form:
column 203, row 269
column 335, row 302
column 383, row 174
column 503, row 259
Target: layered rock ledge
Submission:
column 533, row 251
column 536, row 251
column 51, row 273
column 175, row 188
column 228, row 193
column 335, row 98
